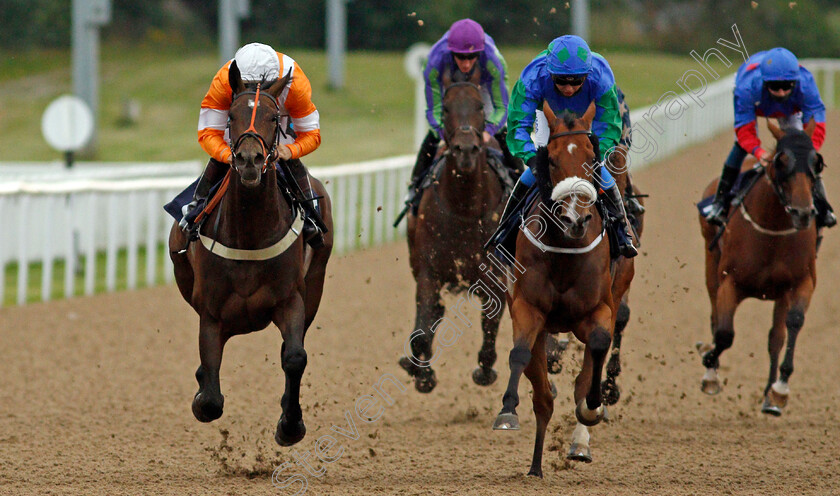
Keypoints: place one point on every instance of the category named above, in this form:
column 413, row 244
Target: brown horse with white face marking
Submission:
column 251, row 267
column 456, row 215
column 768, row 251
column 566, row 284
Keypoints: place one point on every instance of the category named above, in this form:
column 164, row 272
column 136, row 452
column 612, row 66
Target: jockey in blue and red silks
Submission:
column 464, row 49
column 772, row 84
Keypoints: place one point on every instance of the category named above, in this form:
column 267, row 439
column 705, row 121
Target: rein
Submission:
column 251, row 132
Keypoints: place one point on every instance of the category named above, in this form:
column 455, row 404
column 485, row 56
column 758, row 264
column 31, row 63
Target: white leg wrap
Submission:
column 591, row 415
column 781, row 388
column 581, row 435
column 710, row 375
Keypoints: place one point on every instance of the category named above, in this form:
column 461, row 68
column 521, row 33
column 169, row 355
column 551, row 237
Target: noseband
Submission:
column 780, row 179
column 252, row 132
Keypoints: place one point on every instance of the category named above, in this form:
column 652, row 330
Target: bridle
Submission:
column 252, row 132
column 467, row 129
column 781, row 176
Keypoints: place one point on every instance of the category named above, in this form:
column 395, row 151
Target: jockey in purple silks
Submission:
column 464, row 49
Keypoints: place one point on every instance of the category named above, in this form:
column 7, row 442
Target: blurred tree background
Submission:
column 810, row 28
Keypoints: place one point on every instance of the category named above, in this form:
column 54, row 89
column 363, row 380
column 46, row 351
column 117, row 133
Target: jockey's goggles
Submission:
column 466, row 56
column 780, row 85
column 561, row 80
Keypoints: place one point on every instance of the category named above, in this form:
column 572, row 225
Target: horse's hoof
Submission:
column 710, row 386
column 408, row 366
column 553, row 390
column 610, row 392
column 484, row 377
column 535, row 472
column 589, row 417
column 703, row 348
column 289, row 435
column 773, row 403
column 207, row 410
column 425, row 382
column 506, row 422
column 771, row 409
column 579, row 453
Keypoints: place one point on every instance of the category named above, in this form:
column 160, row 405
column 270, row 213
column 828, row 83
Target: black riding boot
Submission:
column 425, row 157
column 313, row 225
column 825, row 214
column 615, row 207
column 514, row 165
column 213, row 172
column 513, row 205
column 719, row 209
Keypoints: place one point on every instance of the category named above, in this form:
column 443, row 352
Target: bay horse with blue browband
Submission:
column 457, row 213
column 251, row 266
column 567, row 283
column 767, row 251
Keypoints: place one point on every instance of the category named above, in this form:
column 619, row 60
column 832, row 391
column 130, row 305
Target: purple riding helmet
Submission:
column 466, row 36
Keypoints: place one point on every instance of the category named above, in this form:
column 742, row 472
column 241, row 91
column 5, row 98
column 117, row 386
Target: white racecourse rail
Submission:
column 50, row 215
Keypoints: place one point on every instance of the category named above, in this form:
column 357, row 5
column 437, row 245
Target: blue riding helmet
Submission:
column 779, row 64
column 569, row 55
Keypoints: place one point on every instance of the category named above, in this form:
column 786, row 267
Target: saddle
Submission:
column 740, row 188
column 174, row 207
column 508, row 240
column 495, row 160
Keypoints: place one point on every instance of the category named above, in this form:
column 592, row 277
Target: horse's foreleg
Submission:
column 289, row 318
column 208, row 402
column 727, row 299
column 609, row 387
column 485, row 374
column 775, row 341
column 589, row 410
column 528, row 323
column 776, row 396
column 429, row 312
column 537, row 373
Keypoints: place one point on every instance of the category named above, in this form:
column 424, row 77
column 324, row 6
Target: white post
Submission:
column 415, row 62
column 580, row 18
column 336, row 42
column 88, row 15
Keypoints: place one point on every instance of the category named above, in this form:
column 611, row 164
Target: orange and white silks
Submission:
column 295, row 103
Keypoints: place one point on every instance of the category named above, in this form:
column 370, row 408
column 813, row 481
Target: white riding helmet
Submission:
column 257, row 61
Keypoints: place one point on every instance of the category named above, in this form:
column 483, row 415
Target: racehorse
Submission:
column 455, row 217
column 568, row 284
column 252, row 267
column 767, row 251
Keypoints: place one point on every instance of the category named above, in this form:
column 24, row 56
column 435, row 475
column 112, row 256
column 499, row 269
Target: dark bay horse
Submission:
column 454, row 219
column 252, row 267
column 568, row 285
column 767, row 251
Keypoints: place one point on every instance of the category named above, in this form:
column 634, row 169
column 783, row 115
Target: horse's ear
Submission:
column 810, row 127
column 549, row 115
column 775, row 130
column 589, row 116
column 446, row 79
column 278, row 86
column 235, row 79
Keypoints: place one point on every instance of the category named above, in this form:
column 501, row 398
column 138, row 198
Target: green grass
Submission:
column 372, row 117
column 33, row 289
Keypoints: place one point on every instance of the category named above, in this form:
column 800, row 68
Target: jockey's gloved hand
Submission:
column 186, row 209
column 532, row 163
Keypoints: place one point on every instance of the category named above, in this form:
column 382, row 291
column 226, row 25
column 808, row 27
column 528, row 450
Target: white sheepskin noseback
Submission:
column 574, row 186
column 257, row 61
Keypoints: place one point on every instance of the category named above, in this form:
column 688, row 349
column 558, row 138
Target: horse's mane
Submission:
column 796, row 141
column 542, row 174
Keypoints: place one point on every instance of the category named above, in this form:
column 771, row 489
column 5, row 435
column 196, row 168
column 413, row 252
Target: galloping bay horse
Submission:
column 767, row 251
column 252, row 267
column 454, row 219
column 569, row 284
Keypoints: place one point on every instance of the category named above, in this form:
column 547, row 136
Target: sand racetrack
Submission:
column 95, row 392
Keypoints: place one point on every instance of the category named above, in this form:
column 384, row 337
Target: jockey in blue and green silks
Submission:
column 569, row 77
